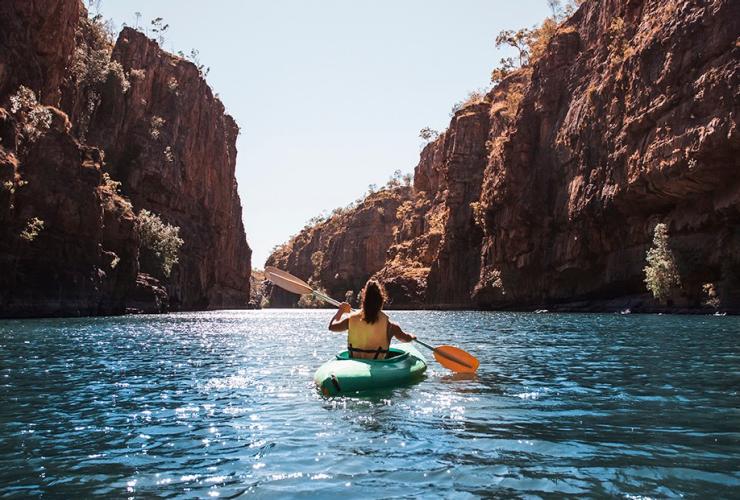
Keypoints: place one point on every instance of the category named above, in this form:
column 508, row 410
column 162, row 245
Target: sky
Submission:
column 330, row 95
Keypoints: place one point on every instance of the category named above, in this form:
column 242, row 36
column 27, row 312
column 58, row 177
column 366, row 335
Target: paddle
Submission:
column 450, row 357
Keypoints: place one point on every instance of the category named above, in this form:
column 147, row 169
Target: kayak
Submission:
column 344, row 375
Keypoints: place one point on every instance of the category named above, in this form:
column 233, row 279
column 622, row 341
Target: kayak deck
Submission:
column 344, row 375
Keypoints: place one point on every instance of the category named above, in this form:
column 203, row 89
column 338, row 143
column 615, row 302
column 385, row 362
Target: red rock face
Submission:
column 344, row 251
column 84, row 257
column 170, row 143
column 435, row 258
column 620, row 128
column 547, row 192
column 37, row 39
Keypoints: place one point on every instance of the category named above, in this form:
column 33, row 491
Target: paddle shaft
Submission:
column 295, row 285
column 326, row 299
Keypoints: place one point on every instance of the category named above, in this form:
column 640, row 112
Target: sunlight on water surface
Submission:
column 222, row 403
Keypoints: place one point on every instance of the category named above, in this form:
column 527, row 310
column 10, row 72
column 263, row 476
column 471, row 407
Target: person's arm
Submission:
column 395, row 331
column 338, row 323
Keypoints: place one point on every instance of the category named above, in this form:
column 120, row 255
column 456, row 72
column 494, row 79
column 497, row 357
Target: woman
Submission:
column 370, row 330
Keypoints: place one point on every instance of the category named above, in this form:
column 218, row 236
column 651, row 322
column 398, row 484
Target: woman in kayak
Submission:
column 370, row 330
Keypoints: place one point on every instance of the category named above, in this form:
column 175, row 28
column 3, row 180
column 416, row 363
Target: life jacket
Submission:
column 366, row 340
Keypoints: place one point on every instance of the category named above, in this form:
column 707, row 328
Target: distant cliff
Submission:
column 78, row 116
column 343, row 251
column 544, row 192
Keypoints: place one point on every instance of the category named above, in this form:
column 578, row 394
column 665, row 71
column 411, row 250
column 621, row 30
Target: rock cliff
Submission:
column 341, row 252
column 630, row 119
column 77, row 114
column 544, row 193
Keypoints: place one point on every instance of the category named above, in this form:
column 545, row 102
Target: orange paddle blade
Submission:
column 455, row 359
column 287, row 281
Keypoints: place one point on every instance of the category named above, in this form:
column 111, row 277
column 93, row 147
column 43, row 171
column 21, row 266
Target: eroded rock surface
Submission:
column 545, row 193
column 630, row 119
column 69, row 240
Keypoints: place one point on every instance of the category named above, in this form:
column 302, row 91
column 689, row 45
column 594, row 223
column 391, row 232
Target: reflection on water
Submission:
column 222, row 403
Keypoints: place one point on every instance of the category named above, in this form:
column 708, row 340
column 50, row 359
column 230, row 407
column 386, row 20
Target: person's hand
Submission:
column 344, row 308
column 412, row 337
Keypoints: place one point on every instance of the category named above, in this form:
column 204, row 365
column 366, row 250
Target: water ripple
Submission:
column 222, row 404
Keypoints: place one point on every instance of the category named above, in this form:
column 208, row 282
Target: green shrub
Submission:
column 530, row 43
column 34, row 117
column 92, row 64
column 169, row 155
column 428, row 134
column 506, row 66
column 32, row 229
column 12, row 186
column 194, row 57
column 661, row 273
column 113, row 186
column 91, row 60
column 711, row 297
column 155, row 126
column 160, row 238
column 479, row 214
column 491, row 278
column 159, row 28
column 474, row 97
column 137, row 74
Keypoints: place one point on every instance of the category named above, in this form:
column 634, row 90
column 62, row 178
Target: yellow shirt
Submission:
column 372, row 338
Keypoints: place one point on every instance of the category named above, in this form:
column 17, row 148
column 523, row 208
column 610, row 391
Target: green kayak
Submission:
column 344, row 375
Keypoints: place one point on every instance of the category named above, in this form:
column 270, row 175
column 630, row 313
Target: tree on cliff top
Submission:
column 530, row 43
column 661, row 273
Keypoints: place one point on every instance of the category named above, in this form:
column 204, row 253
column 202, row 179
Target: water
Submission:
column 222, row 404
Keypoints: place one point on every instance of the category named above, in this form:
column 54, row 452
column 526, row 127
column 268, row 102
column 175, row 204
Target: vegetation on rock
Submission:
column 35, row 118
column 32, row 229
column 161, row 238
column 711, row 297
column 661, row 273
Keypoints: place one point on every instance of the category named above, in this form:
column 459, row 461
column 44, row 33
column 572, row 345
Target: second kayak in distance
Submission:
column 345, row 375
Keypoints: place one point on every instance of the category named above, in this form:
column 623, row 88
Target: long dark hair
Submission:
column 373, row 298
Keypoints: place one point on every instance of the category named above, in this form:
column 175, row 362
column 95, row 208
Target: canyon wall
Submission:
column 70, row 238
column 343, row 251
column 545, row 192
column 630, row 119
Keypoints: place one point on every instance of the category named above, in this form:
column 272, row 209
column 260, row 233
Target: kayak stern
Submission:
column 345, row 375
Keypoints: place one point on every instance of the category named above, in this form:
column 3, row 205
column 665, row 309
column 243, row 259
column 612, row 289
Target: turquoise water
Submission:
column 222, row 403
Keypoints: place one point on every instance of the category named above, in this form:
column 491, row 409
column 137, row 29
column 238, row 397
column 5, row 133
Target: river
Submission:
column 222, row 403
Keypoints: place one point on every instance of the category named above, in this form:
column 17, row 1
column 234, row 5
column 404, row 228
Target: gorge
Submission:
column 545, row 191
